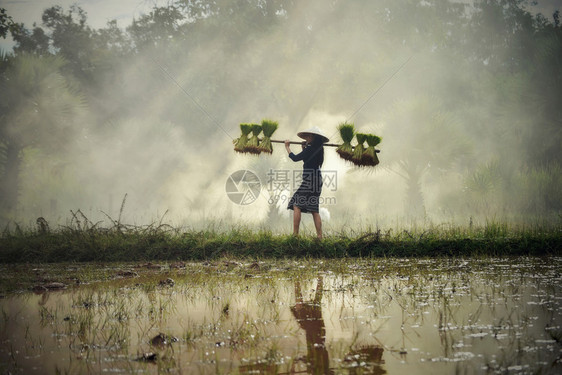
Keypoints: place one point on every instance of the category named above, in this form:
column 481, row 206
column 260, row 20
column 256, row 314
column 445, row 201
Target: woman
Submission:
column 307, row 196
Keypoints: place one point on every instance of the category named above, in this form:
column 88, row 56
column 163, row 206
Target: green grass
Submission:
column 85, row 242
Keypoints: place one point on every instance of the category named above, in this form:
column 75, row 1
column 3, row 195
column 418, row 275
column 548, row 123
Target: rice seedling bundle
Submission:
column 358, row 155
column 345, row 150
column 269, row 127
column 369, row 157
column 240, row 143
column 253, row 145
column 359, row 149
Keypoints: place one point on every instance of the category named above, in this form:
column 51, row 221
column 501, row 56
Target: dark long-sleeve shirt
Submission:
column 312, row 155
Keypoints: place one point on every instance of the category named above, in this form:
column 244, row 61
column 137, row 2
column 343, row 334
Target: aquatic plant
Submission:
column 269, row 127
column 345, row 150
column 240, row 142
column 370, row 157
column 357, row 156
column 253, row 145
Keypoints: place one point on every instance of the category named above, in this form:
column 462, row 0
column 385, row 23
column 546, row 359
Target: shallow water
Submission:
column 393, row 316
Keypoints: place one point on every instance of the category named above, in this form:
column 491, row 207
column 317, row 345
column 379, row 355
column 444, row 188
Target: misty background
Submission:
column 471, row 125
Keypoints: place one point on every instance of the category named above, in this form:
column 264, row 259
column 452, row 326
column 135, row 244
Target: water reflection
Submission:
column 370, row 356
column 367, row 318
column 309, row 316
column 364, row 360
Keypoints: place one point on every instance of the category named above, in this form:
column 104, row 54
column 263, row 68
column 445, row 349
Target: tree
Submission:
column 37, row 106
column 421, row 137
column 113, row 40
column 71, row 37
column 159, row 28
column 6, row 23
column 30, row 41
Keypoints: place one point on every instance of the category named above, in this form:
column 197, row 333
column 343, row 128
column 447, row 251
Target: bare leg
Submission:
column 318, row 224
column 296, row 220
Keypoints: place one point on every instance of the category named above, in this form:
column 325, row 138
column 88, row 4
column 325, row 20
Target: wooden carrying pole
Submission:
column 300, row 143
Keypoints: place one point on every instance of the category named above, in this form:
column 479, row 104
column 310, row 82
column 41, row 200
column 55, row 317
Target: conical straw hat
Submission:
column 316, row 131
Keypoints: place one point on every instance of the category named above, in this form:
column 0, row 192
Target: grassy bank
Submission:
column 128, row 243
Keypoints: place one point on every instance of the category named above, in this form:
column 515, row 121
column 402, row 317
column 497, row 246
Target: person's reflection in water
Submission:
column 309, row 317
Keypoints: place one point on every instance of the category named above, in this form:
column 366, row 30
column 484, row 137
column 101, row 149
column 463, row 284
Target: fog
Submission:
column 144, row 132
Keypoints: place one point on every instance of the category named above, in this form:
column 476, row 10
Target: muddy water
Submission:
column 353, row 317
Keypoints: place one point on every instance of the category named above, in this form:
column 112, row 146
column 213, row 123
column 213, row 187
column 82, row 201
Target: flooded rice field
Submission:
column 370, row 316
